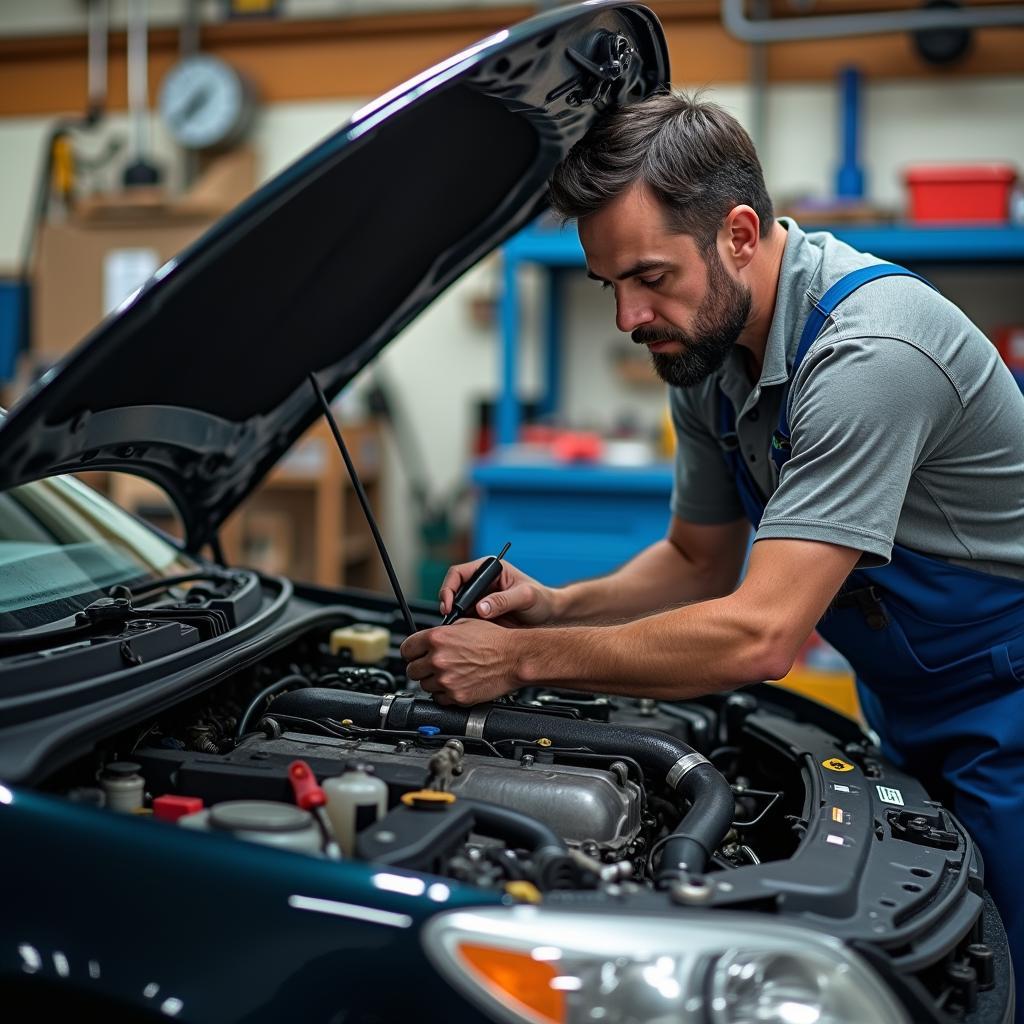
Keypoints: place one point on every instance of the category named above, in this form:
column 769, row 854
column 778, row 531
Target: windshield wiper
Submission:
column 166, row 582
column 109, row 615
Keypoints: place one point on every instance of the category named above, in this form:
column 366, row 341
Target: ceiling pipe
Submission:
column 99, row 27
column 830, row 26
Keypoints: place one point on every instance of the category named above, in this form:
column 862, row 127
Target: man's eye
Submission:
column 652, row 282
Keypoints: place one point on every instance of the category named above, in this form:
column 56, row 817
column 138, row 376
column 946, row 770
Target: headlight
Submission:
column 531, row 964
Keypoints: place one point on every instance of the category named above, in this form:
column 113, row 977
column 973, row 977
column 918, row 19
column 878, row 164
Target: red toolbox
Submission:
column 960, row 193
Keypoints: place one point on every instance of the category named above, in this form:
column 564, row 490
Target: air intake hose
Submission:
column 690, row 774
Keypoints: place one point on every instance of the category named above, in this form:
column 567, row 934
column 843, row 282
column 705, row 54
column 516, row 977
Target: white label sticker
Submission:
column 890, row 796
column 840, row 788
column 124, row 271
column 834, row 840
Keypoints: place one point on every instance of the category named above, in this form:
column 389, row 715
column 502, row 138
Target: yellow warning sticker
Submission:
column 837, row 814
column 836, row 764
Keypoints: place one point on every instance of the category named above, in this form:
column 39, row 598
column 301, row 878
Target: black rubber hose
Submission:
column 552, row 867
column 695, row 839
column 516, row 828
column 700, row 833
column 275, row 687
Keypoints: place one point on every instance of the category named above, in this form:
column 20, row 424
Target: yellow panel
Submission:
column 837, row 690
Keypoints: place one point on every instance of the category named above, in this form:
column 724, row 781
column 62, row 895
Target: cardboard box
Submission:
column 86, row 265
column 79, row 266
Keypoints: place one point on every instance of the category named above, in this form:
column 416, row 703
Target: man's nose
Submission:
column 631, row 313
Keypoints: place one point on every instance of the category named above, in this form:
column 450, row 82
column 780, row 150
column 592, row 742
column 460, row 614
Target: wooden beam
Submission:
column 362, row 57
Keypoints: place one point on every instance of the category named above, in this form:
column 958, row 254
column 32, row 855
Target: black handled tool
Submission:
column 476, row 586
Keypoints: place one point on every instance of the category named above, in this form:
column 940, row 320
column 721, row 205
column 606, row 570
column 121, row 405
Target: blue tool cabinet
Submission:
column 571, row 522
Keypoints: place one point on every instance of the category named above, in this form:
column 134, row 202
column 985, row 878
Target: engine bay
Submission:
column 756, row 800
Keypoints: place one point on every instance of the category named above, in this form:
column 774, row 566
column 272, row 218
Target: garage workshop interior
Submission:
column 512, row 512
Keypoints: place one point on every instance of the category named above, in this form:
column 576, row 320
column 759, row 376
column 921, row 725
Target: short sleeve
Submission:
column 703, row 489
column 864, row 414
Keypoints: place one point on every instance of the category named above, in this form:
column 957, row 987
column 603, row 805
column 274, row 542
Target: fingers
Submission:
column 415, row 646
column 518, row 598
column 453, row 579
column 458, row 575
column 430, row 684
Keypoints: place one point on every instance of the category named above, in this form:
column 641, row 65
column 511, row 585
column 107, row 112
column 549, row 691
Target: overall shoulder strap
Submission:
column 822, row 310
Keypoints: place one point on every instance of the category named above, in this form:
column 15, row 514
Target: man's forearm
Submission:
column 681, row 653
column 660, row 577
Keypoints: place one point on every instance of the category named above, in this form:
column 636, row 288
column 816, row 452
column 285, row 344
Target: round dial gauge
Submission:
column 205, row 102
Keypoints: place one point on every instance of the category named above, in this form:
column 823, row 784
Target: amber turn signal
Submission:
column 518, row 980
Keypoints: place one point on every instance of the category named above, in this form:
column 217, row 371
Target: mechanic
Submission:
column 863, row 425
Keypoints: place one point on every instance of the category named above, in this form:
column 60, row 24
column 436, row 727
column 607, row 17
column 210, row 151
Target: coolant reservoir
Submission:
column 368, row 644
column 355, row 800
column 261, row 821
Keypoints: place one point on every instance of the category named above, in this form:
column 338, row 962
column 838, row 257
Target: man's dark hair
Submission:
column 692, row 155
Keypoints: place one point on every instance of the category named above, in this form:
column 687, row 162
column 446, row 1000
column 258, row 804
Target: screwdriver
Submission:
column 476, row 586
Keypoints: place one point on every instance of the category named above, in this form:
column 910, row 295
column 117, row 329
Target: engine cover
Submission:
column 580, row 803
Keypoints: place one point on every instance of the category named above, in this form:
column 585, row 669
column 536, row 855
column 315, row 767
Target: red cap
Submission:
column 308, row 793
column 170, row 807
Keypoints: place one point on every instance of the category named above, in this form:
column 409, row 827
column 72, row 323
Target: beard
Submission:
column 717, row 326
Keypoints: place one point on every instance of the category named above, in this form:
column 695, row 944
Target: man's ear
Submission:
column 741, row 234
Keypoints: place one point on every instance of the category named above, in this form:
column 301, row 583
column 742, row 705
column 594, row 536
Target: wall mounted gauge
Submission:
column 205, row 103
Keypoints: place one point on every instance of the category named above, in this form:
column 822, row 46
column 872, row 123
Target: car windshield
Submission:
column 63, row 545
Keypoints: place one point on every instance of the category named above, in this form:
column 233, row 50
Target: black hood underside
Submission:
column 198, row 382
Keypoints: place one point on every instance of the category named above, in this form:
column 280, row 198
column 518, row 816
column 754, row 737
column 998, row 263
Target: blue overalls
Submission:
column 939, row 655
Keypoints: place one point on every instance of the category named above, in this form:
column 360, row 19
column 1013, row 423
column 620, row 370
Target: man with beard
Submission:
column 857, row 420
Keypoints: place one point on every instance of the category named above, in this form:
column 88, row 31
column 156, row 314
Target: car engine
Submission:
column 756, row 799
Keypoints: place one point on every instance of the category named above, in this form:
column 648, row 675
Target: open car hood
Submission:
column 199, row 380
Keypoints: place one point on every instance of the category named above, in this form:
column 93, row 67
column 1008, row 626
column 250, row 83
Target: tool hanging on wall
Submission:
column 141, row 170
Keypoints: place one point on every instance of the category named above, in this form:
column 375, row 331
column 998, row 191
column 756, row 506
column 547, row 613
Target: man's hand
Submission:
column 466, row 663
column 515, row 600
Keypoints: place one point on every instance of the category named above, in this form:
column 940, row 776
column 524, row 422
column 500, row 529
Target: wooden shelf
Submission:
column 304, row 520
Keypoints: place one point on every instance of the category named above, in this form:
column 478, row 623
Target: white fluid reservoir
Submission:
column 123, row 785
column 355, row 800
column 261, row 821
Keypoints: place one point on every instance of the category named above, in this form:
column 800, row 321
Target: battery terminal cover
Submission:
column 368, row 643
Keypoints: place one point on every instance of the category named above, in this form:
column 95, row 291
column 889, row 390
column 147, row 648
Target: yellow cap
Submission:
column 543, row 742
column 428, row 799
column 525, row 892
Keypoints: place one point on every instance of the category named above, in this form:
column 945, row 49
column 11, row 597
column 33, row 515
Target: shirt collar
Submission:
column 798, row 289
column 795, row 296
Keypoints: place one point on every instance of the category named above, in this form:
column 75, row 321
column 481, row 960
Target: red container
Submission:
column 960, row 193
column 1010, row 343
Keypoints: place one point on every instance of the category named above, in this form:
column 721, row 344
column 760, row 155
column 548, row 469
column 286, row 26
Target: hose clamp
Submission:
column 477, row 719
column 682, row 766
column 385, row 708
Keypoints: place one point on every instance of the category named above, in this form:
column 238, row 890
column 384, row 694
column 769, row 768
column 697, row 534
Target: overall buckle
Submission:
column 869, row 602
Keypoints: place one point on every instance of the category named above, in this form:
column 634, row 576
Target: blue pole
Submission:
column 850, row 175
column 508, row 401
column 553, row 342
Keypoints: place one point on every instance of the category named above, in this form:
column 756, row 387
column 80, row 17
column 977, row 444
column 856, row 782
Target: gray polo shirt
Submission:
column 906, row 426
